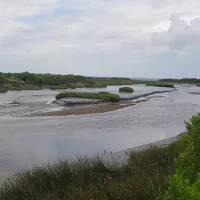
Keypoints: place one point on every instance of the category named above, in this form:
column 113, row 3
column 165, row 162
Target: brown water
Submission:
column 25, row 141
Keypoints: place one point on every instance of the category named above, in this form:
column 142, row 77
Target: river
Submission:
column 26, row 141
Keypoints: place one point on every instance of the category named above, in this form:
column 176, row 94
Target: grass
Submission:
column 143, row 177
column 104, row 96
column 126, row 89
column 160, row 84
column 29, row 87
column 95, row 86
column 114, row 82
column 74, row 86
column 18, row 87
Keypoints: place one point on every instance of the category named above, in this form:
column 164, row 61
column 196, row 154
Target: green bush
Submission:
column 160, row 84
column 144, row 177
column 104, row 96
column 126, row 89
column 185, row 183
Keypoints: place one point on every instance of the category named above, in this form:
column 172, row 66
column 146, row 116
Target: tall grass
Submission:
column 104, row 96
column 143, row 177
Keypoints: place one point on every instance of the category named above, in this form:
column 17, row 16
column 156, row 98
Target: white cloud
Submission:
column 97, row 37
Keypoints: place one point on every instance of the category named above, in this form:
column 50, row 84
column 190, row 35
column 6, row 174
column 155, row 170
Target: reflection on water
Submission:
column 29, row 141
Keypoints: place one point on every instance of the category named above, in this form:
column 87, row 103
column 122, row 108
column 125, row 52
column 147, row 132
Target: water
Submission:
column 25, row 141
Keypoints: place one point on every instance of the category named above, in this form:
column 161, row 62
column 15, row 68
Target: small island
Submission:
column 156, row 84
column 87, row 97
column 126, row 89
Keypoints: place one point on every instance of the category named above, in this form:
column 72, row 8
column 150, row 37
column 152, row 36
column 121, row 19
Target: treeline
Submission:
column 28, row 81
column 183, row 80
column 42, row 79
column 53, row 79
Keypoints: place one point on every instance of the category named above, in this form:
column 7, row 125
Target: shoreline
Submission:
column 124, row 154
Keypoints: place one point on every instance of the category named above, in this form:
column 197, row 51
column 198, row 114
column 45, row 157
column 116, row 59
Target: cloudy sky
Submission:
column 132, row 38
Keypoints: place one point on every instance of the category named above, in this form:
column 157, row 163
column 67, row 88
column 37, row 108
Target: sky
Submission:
column 129, row 38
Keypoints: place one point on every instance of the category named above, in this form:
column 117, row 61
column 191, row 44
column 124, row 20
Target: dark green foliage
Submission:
column 95, row 86
column 185, row 183
column 126, row 89
column 13, row 81
column 157, row 84
column 104, row 96
column 144, row 177
column 180, row 81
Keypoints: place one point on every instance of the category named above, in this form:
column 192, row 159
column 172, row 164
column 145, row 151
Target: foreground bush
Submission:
column 126, row 89
column 144, row 177
column 185, row 183
column 160, row 84
column 104, row 96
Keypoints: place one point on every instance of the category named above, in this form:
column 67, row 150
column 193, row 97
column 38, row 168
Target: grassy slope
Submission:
column 143, row 177
column 104, row 96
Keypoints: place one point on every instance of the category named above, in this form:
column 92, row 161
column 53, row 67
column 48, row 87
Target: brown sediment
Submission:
column 195, row 93
column 84, row 110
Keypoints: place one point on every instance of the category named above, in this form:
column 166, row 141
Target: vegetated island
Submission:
column 165, row 173
column 126, row 89
column 101, row 96
column 158, row 84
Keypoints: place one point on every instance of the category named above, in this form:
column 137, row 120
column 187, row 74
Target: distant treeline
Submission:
column 26, row 80
column 183, row 80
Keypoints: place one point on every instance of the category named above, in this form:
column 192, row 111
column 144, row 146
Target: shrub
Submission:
column 104, row 96
column 126, row 89
column 185, row 183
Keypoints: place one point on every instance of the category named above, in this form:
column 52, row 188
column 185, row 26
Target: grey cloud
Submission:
column 180, row 35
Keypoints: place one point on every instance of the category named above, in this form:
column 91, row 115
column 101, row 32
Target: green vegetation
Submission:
column 185, row 182
column 144, row 177
column 182, row 81
column 95, row 86
column 126, row 89
column 115, row 82
column 104, row 96
column 26, row 80
column 158, row 173
column 158, row 84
